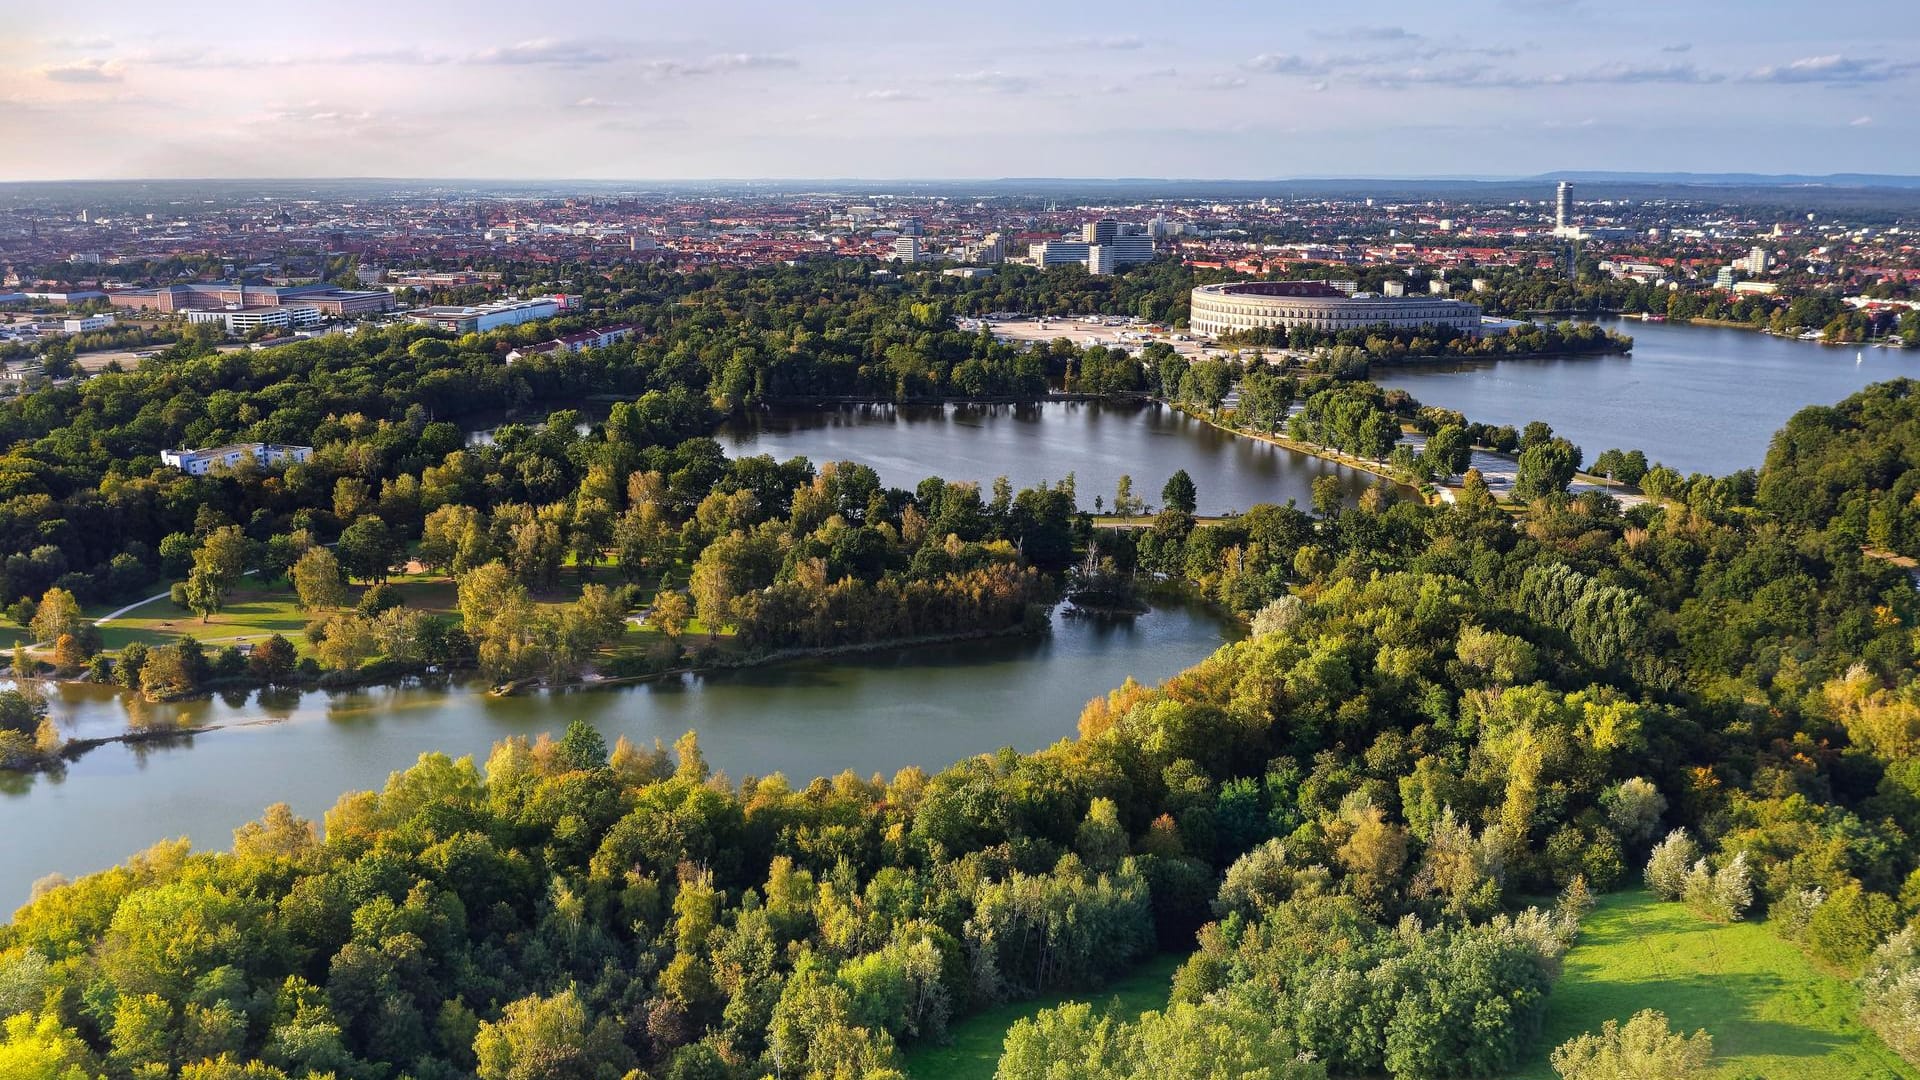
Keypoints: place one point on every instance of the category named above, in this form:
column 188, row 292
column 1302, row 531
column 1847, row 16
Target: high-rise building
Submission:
column 1759, row 261
column 906, row 249
column 1100, row 232
column 1058, row 252
column 1563, row 205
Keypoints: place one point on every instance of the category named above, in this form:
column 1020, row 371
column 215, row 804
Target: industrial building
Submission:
column 1283, row 305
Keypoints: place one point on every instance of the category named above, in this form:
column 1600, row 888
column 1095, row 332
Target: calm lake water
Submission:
column 872, row 713
column 1698, row 398
column 1030, row 443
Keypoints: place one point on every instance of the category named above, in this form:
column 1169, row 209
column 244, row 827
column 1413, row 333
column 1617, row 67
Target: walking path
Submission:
column 112, row 615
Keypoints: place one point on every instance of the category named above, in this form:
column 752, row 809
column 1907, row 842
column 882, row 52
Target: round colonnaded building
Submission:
column 1250, row 305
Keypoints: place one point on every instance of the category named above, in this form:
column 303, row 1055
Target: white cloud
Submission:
column 671, row 69
column 546, row 51
column 84, row 71
column 1860, row 121
column 1833, row 68
column 890, row 95
column 998, row 82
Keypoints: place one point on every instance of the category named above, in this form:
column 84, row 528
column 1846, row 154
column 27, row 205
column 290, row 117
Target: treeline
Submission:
column 1386, row 344
column 1852, row 468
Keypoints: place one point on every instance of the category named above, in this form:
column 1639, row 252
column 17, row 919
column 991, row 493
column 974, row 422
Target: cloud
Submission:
column 1677, row 47
column 1833, row 69
column 80, row 44
column 1227, row 82
column 890, row 95
column 713, row 65
column 1378, row 34
column 1123, row 42
column 83, row 71
column 551, row 51
column 1286, row 64
column 1860, row 121
column 1604, row 75
column 597, row 103
column 997, row 82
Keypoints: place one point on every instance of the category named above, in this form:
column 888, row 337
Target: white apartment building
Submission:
column 267, row 455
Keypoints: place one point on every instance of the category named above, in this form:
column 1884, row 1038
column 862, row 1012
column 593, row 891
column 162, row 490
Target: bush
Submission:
column 1667, row 868
column 1644, row 1047
column 1721, row 895
column 1843, row 929
column 1890, row 994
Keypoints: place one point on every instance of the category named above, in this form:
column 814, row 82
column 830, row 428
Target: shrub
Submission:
column 1890, row 994
column 1644, row 1047
column 1721, row 895
column 1667, row 868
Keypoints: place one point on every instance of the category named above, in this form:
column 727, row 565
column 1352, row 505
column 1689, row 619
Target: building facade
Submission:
column 216, row 295
column 267, row 455
column 483, row 317
column 1283, row 305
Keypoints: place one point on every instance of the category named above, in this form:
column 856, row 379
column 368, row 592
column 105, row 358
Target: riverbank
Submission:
column 591, row 679
column 1325, row 453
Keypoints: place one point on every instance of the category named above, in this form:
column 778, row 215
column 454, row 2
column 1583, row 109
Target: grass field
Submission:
column 975, row 1050
column 1771, row 1013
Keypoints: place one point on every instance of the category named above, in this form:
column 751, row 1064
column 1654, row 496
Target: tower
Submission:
column 1563, row 204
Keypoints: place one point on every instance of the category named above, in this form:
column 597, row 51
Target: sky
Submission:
column 603, row 89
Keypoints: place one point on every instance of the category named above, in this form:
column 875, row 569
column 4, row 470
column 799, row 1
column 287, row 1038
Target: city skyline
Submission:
column 853, row 89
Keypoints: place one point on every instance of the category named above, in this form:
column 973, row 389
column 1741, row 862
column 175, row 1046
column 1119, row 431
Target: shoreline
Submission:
column 74, row 749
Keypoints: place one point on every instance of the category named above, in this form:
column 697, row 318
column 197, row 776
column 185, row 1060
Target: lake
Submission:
column 1095, row 441
column 1697, row 398
column 875, row 712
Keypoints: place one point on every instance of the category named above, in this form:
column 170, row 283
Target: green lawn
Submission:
column 1771, row 1013
column 975, row 1049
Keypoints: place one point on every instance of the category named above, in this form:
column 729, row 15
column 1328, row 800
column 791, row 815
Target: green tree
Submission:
column 583, row 746
column 58, row 613
column 205, row 594
column 1449, row 451
column 1546, row 468
column 317, row 581
column 1179, row 493
column 367, row 550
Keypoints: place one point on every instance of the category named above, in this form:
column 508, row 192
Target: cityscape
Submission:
column 640, row 542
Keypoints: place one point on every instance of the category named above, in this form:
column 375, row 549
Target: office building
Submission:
column 1058, row 252
column 1563, row 206
column 906, row 248
column 327, row 299
column 479, row 318
column 1104, row 246
column 266, row 455
column 1759, row 261
column 1283, row 305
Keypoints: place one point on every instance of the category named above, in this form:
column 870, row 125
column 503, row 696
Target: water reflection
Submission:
column 873, row 713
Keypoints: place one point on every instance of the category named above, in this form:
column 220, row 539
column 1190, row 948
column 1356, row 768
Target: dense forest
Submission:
column 1438, row 714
